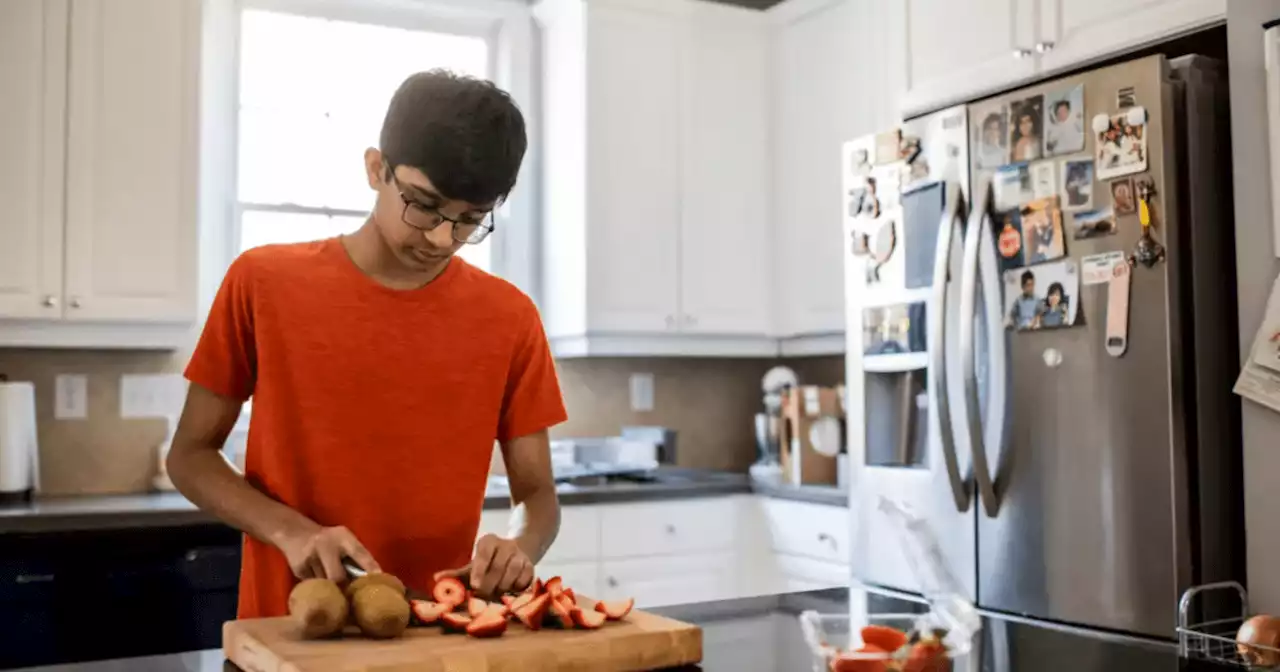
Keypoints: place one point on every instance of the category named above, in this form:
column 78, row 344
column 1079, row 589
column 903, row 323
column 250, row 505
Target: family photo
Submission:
column 1042, row 297
column 1122, row 200
column 1121, row 149
column 991, row 137
column 1064, row 128
column 1042, row 231
column 1026, row 128
column 1077, row 184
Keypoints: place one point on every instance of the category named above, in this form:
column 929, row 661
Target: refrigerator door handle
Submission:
column 952, row 219
column 977, row 238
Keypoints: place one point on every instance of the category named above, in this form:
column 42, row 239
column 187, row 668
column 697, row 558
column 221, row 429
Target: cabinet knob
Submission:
column 50, row 301
column 1044, row 47
column 74, row 302
column 1021, row 53
column 612, row 582
column 824, row 538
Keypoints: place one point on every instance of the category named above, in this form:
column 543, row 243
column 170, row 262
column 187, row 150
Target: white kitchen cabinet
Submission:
column 655, row 186
column 809, row 530
column 132, row 143
column 669, row 528
column 33, row 75
column 1073, row 32
column 659, row 581
column 99, row 108
column 835, row 78
column 954, row 49
column 797, row 574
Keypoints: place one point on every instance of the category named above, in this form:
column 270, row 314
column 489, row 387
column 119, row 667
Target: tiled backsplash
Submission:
column 708, row 401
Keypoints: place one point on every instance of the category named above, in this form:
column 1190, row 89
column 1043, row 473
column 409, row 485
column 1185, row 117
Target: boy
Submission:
column 382, row 369
column 1026, row 308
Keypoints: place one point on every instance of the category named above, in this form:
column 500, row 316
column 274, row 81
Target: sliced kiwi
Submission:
column 381, row 611
column 319, row 607
column 375, row 579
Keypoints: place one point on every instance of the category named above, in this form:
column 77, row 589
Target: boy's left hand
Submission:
column 499, row 566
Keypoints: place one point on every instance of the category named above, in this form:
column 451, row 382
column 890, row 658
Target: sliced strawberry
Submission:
column 455, row 621
column 562, row 614
column 508, row 599
column 535, row 588
column 589, row 620
column 566, row 601
column 885, row 637
column 490, row 624
column 476, row 606
column 450, row 591
column 616, row 611
column 568, row 592
column 428, row 612
column 553, row 585
column 521, row 600
column 531, row 614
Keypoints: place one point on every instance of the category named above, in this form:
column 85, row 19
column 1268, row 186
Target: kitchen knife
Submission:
column 356, row 571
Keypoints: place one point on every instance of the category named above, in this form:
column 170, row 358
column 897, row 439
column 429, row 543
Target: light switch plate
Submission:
column 642, row 392
column 151, row 395
column 71, row 396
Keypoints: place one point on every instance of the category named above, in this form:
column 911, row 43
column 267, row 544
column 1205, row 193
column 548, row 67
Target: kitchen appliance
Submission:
column 1083, row 474
column 805, row 409
column 19, row 452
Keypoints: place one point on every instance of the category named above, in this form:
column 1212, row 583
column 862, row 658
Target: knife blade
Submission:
column 356, row 571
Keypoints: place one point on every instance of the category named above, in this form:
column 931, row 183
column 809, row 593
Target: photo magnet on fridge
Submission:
column 1026, row 129
column 991, row 135
column 1044, row 179
column 1093, row 224
column 1008, row 233
column 888, row 146
column 1042, row 238
column 1077, row 184
column 1012, row 186
column 1098, row 269
column 1042, row 297
column 1121, row 149
column 1122, row 197
column 1064, row 121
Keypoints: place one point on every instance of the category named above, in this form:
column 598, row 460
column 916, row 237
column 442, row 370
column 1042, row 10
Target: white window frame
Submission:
column 508, row 27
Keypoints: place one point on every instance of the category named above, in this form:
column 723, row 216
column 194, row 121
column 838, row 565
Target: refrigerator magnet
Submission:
column 1012, row 186
column 1122, row 200
column 1118, row 311
column 1044, row 179
column 888, row 146
column 1121, row 149
column 991, row 136
column 1064, row 121
column 1077, row 184
column 1148, row 251
column 1042, row 297
column 1026, row 129
column 1098, row 269
column 1093, row 224
column 1009, row 241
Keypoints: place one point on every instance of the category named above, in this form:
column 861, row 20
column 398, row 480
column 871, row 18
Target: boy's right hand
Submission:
column 317, row 552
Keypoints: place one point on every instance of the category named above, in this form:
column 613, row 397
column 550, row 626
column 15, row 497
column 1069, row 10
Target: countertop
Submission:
column 762, row 634
column 100, row 512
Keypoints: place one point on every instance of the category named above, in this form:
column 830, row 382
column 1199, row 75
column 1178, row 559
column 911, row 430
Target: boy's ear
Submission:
column 374, row 168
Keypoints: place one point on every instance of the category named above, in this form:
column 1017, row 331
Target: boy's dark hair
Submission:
column 466, row 134
column 1061, row 104
column 1056, row 287
column 1027, row 275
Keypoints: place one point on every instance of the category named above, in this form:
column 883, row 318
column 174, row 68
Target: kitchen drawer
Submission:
column 578, row 539
column 656, row 582
column 799, row 573
column 582, row 577
column 812, row 530
column 668, row 528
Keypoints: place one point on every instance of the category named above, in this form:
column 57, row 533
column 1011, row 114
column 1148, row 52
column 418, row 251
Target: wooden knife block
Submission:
column 801, row 463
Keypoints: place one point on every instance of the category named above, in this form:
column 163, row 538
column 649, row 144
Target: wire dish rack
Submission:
column 1215, row 640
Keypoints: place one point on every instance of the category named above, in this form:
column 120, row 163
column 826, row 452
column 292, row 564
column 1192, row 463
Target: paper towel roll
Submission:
column 19, row 457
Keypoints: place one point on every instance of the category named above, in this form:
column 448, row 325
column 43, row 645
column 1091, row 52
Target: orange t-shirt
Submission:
column 373, row 408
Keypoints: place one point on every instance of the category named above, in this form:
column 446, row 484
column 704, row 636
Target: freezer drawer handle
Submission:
column 936, row 324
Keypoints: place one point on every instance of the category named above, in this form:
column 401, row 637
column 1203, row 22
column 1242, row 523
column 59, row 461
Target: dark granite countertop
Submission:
column 100, row 512
column 763, row 634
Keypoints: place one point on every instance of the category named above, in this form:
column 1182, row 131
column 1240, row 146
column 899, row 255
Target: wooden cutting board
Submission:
column 641, row 642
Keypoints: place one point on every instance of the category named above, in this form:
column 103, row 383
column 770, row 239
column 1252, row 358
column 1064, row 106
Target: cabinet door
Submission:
column 33, row 66
column 657, row 582
column 132, row 159
column 959, row 49
column 725, row 268
column 1081, row 30
column 633, row 170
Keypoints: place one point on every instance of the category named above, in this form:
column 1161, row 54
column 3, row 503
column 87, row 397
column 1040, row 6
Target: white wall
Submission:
column 1256, row 269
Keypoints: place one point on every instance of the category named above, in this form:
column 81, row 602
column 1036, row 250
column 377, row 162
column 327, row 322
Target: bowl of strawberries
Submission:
column 881, row 643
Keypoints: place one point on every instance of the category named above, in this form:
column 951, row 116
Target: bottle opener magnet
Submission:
column 1118, row 310
column 1148, row 251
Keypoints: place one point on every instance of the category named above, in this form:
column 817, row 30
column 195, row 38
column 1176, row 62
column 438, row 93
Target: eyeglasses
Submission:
column 422, row 218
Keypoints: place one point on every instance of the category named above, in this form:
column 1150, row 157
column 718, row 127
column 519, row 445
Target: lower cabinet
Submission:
column 677, row 579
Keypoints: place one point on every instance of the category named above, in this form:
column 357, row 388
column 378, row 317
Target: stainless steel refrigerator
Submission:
column 1077, row 458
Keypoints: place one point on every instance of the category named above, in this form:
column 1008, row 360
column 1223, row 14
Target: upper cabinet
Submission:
column 98, row 168
column 655, row 179
column 960, row 50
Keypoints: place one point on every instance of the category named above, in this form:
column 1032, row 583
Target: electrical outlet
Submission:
column 71, row 396
column 151, row 395
column 642, row 392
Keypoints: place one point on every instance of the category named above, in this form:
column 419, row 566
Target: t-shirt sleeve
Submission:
column 225, row 359
column 532, row 401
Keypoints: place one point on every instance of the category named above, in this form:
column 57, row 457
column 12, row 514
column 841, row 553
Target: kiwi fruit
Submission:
column 319, row 607
column 381, row 611
column 375, row 579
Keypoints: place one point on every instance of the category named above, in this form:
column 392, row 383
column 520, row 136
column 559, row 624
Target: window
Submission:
column 313, row 92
